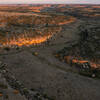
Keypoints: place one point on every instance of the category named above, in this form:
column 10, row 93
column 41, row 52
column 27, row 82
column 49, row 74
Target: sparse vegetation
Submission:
column 7, row 48
column 49, row 50
column 3, row 86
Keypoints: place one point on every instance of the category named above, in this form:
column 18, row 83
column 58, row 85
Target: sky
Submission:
column 49, row 1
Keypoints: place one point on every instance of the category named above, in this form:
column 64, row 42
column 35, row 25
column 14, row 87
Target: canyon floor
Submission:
column 46, row 74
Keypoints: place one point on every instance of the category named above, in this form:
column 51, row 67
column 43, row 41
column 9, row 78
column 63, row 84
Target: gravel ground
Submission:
column 8, row 92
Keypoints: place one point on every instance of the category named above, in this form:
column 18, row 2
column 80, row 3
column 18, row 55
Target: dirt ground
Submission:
column 46, row 74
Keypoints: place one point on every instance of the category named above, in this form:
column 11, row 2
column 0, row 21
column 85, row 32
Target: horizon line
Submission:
column 47, row 3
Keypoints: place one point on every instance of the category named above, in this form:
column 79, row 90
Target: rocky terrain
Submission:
column 40, row 70
column 86, row 50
